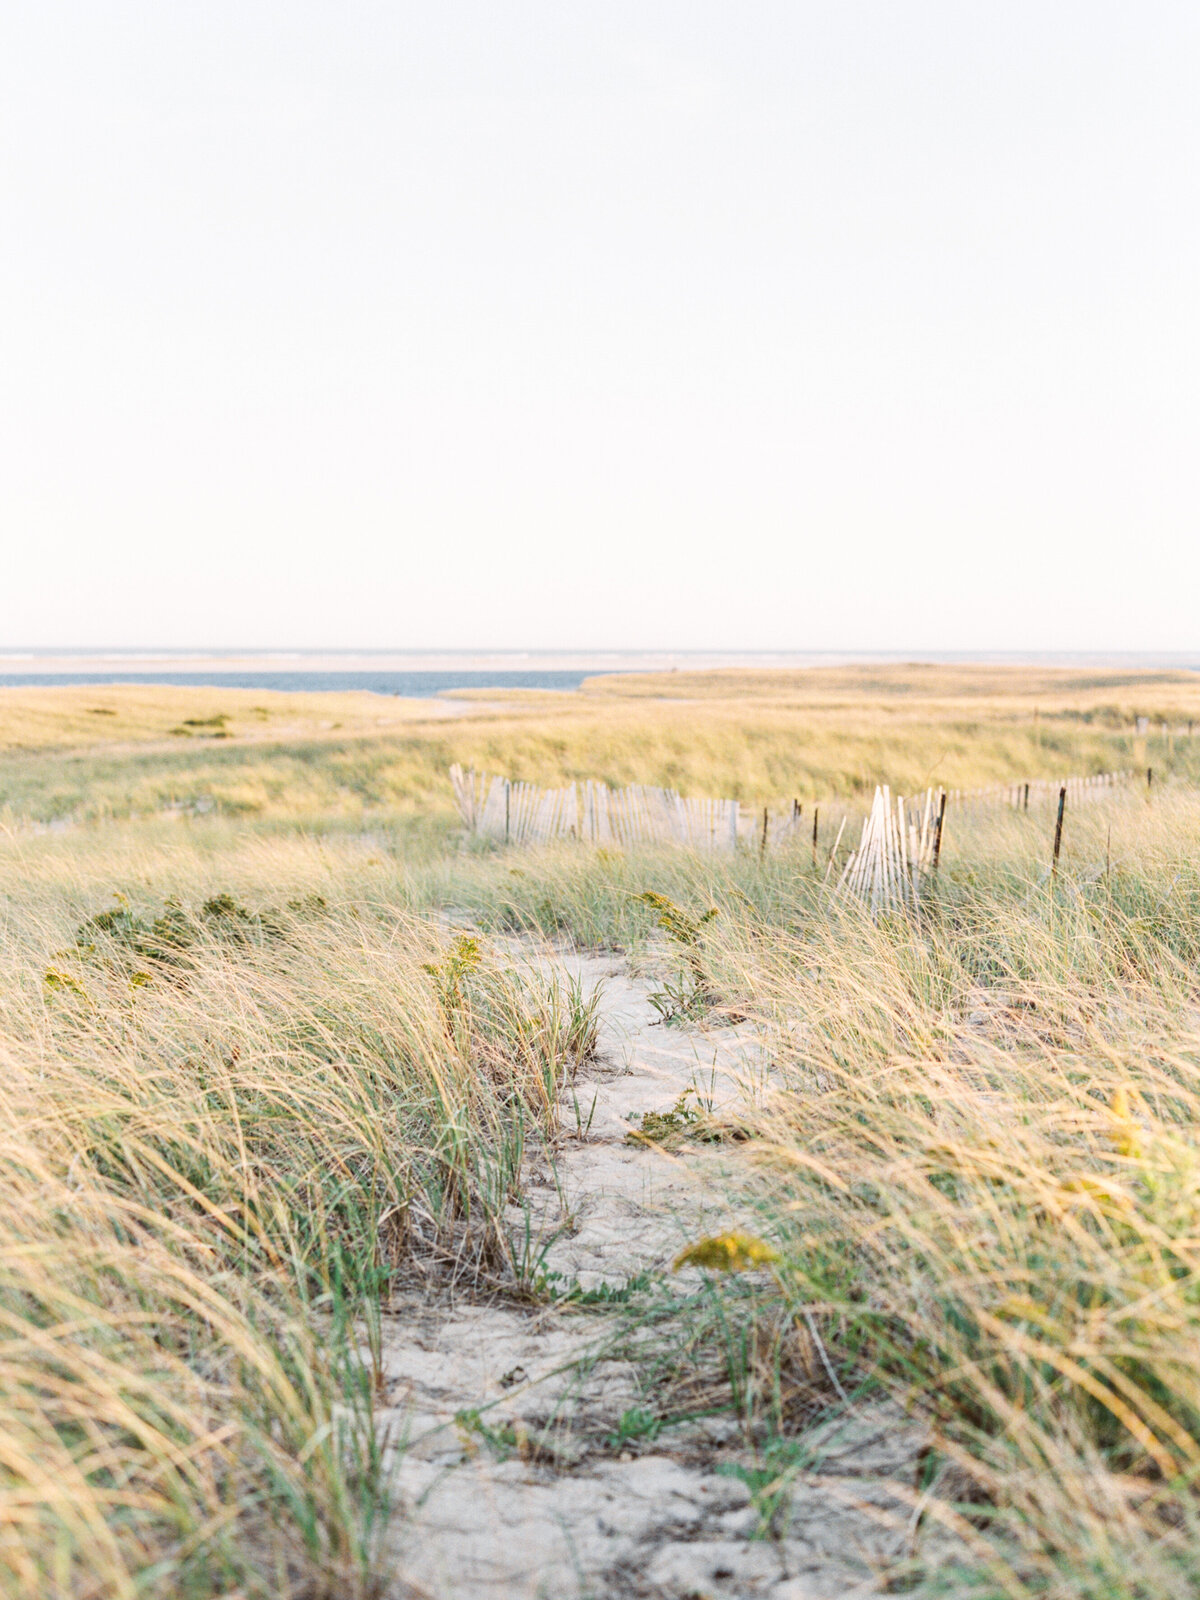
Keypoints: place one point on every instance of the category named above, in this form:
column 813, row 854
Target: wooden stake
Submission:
column 816, row 819
column 507, row 806
column 1062, row 802
column 1025, row 803
column 937, row 832
column 762, row 843
column 1149, row 777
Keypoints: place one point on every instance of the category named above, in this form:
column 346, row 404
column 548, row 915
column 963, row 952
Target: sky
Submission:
column 661, row 324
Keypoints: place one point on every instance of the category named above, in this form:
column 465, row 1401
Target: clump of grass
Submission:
column 170, row 1426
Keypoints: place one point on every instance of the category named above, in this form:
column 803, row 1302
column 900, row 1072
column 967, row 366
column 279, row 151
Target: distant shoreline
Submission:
column 495, row 668
column 406, row 685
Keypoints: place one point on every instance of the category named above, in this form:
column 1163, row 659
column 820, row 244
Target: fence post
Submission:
column 507, row 807
column 937, row 832
column 1149, row 778
column 1025, row 803
column 1062, row 802
column 762, row 843
column 816, row 819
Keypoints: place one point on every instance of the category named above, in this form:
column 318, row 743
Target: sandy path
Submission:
column 579, row 1516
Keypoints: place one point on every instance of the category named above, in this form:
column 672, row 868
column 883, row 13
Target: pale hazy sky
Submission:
column 754, row 324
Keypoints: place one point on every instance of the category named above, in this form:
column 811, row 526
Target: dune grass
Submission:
column 262, row 1069
column 354, row 761
column 226, row 1123
column 978, row 1161
column 982, row 1165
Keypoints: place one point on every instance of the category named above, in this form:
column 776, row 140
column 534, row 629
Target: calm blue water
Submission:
column 418, row 685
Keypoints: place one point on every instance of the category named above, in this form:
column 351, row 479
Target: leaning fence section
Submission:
column 901, row 840
column 880, row 872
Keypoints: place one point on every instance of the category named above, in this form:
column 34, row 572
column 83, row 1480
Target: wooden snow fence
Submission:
column 880, row 873
column 522, row 814
column 514, row 813
column 1020, row 796
column 900, row 840
column 640, row 814
column 519, row 813
column 920, row 822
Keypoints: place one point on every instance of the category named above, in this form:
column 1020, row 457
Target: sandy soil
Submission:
column 564, row 1511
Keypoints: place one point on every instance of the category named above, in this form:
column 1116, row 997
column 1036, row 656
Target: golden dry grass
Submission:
column 76, row 716
column 759, row 738
column 241, row 1106
column 978, row 1163
column 226, row 1121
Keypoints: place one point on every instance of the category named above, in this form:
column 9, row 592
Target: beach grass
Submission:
column 356, row 760
column 267, row 1064
column 236, row 1103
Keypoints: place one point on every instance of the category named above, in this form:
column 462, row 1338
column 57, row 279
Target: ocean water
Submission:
column 414, row 685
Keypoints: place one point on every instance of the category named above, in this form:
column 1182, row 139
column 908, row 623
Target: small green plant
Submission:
column 463, row 957
column 556, row 1286
column 634, row 1425
column 692, row 996
column 64, row 983
column 678, row 1003
column 770, row 1481
column 668, row 1128
column 120, row 934
column 504, row 1440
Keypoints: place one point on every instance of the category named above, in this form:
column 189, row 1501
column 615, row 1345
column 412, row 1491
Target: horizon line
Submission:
column 16, row 652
